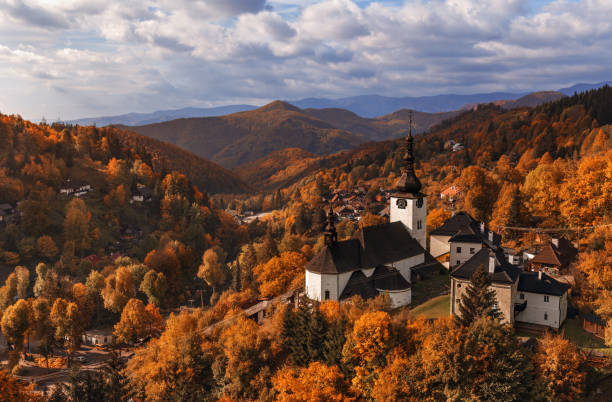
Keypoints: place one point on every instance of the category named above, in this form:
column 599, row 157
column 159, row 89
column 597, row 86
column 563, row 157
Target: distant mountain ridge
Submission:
column 364, row 106
column 140, row 119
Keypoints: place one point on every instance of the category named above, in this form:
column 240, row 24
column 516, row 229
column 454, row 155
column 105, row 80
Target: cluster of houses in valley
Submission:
column 531, row 288
column 352, row 204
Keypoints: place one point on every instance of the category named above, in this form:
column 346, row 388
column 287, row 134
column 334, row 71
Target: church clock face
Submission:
column 419, row 202
column 401, row 203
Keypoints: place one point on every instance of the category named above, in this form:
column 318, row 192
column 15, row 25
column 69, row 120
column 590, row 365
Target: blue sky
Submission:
column 75, row 58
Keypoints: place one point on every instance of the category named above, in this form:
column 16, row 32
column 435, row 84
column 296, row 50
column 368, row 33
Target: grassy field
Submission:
column 433, row 308
column 572, row 330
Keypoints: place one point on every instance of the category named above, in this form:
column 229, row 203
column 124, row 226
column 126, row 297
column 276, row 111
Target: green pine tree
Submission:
column 478, row 300
column 333, row 343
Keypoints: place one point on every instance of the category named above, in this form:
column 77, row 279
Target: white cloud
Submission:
column 89, row 57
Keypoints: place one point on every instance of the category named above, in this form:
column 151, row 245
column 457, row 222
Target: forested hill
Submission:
column 31, row 146
column 243, row 137
column 502, row 150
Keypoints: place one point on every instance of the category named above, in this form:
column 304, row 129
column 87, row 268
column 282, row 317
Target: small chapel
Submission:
column 382, row 259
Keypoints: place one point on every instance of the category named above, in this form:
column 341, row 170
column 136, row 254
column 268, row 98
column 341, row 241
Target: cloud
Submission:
column 111, row 56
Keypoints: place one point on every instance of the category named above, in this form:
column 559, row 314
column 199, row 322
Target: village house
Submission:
column 97, row 337
column 451, row 193
column 532, row 299
column 7, row 213
column 555, row 257
column 380, row 259
column 142, row 194
column 460, row 237
column 75, row 187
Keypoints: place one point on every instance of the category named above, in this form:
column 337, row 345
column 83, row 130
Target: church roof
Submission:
column 370, row 247
column 389, row 278
column 504, row 272
column 359, row 285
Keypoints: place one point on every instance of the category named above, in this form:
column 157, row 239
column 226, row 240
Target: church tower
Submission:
column 408, row 204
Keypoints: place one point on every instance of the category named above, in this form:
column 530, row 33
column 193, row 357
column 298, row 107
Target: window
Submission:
column 546, row 300
column 522, row 296
column 458, row 285
column 327, row 295
column 545, row 316
column 472, row 250
column 458, row 249
column 458, row 262
column 419, row 225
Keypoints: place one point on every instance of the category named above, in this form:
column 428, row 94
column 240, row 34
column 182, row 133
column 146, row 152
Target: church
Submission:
column 380, row 259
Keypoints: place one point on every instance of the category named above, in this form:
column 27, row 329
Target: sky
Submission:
column 64, row 59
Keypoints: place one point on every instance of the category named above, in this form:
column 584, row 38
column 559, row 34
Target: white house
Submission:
column 532, row 298
column 379, row 259
column 98, row 337
column 74, row 187
column 460, row 237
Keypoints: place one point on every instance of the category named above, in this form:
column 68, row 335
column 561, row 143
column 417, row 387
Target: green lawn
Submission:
column 433, row 308
column 572, row 330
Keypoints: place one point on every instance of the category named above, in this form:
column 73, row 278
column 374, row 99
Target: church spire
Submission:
column 331, row 236
column 408, row 181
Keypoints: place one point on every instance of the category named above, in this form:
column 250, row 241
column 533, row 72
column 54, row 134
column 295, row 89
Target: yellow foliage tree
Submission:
column 317, row 382
column 280, row 273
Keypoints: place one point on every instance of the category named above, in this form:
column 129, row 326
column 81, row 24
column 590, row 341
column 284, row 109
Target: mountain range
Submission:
column 364, row 105
column 239, row 138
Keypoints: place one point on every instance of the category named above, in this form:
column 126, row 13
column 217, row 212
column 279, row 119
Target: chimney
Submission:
column 491, row 262
column 482, row 227
column 555, row 242
column 540, row 274
column 490, row 235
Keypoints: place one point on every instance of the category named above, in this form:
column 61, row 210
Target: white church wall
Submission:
column 398, row 298
column 313, row 285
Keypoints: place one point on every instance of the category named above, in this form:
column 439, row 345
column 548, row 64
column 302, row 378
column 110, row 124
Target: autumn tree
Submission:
column 317, row 382
column 542, row 189
column 587, row 194
column 15, row 324
column 436, row 218
column 280, row 274
column 134, row 323
column 480, row 191
column 366, row 348
column 42, row 327
column 245, row 357
column 213, row 269
column 76, row 224
column 478, row 300
column 66, row 319
column 119, row 287
column 509, row 208
column 559, row 369
column 46, row 247
column 174, row 366
column 154, row 285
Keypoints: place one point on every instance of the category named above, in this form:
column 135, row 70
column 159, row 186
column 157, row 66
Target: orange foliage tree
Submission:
column 280, row 273
column 317, row 382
